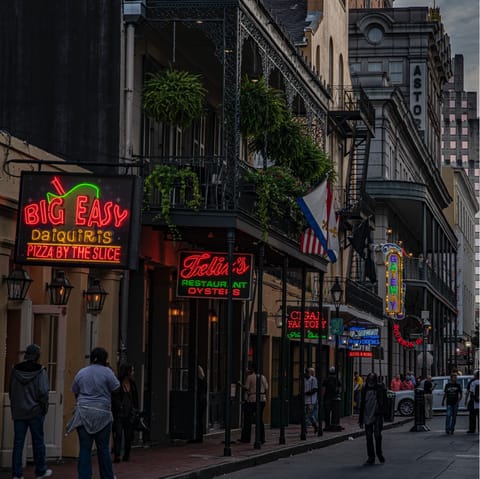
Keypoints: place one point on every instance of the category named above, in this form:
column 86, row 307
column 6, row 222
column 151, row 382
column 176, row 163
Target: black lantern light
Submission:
column 336, row 293
column 18, row 282
column 60, row 289
column 95, row 297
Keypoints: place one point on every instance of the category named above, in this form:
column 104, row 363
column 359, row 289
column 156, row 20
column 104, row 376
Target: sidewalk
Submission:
column 205, row 460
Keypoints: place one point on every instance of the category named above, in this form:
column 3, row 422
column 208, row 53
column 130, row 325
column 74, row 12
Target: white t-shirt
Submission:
column 310, row 384
column 251, row 386
column 472, row 392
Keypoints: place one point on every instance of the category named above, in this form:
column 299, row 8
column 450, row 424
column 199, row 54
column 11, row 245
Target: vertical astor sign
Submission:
column 394, row 294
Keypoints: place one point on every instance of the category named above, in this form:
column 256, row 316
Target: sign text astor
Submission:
column 204, row 274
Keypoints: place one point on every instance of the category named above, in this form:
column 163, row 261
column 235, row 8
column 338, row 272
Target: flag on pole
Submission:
column 319, row 211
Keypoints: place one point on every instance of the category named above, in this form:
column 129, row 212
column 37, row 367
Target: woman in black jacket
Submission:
column 372, row 408
column 125, row 412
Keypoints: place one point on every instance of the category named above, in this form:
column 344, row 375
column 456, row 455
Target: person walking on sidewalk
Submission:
column 357, row 389
column 28, row 394
column 372, row 408
column 453, row 394
column 93, row 387
column 250, row 405
column 472, row 402
column 125, row 412
column 330, row 390
column 311, row 397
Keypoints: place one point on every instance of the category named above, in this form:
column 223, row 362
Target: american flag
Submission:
column 310, row 244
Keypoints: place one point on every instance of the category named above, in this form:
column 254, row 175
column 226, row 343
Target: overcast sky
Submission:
column 461, row 20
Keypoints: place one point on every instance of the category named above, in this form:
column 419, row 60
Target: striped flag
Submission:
column 310, row 244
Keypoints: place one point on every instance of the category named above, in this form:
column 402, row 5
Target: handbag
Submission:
column 137, row 420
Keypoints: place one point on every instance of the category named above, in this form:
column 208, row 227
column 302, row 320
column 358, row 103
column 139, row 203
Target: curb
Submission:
column 270, row 456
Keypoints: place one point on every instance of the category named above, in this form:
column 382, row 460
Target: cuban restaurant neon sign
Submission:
column 394, row 294
column 204, row 274
column 76, row 220
column 311, row 321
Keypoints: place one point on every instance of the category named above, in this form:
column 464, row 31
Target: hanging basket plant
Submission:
column 164, row 178
column 173, row 96
column 262, row 108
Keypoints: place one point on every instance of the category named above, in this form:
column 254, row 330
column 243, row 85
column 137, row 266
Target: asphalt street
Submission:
column 409, row 455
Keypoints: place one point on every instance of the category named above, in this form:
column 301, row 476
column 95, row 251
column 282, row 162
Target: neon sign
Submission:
column 78, row 220
column 394, row 294
column 360, row 341
column 203, row 274
column 360, row 354
column 403, row 342
column 311, row 321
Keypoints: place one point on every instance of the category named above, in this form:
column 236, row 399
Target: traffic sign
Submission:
column 336, row 326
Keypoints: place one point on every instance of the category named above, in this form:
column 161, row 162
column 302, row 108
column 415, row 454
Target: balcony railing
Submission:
column 416, row 269
column 352, row 100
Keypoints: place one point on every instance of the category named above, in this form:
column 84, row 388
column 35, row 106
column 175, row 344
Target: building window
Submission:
column 464, row 103
column 464, row 145
column 453, row 145
column 442, row 158
column 395, row 71
column 451, row 117
column 442, row 144
column 375, row 34
column 317, row 59
column 453, row 130
column 464, row 131
column 451, row 104
column 375, row 66
column 330, row 62
column 442, row 130
column 453, row 158
column 355, row 67
column 465, row 158
column 464, row 117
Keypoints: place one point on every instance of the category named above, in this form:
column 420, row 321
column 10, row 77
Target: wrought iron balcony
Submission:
column 418, row 270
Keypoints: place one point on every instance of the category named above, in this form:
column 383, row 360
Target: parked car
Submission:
column 404, row 400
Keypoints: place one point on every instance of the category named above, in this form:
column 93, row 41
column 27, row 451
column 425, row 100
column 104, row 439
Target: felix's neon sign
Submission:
column 88, row 222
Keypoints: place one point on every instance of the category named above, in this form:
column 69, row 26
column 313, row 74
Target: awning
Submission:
column 349, row 313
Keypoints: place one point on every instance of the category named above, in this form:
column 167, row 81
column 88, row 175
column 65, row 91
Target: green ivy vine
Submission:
column 165, row 178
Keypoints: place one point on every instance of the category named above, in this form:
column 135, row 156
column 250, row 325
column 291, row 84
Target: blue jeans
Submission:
column 451, row 417
column 102, row 441
column 21, row 426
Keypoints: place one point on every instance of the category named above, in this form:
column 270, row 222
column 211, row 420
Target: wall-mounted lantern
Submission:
column 18, row 282
column 95, row 297
column 60, row 289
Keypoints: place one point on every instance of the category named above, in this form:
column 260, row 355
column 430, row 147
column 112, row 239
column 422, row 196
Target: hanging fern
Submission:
column 174, row 97
column 165, row 178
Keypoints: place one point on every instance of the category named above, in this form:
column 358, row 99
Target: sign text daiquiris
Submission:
column 203, row 274
column 77, row 219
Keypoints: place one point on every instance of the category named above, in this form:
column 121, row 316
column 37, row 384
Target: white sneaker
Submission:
column 48, row 473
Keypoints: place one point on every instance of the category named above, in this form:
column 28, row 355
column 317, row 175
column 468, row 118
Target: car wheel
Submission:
column 405, row 407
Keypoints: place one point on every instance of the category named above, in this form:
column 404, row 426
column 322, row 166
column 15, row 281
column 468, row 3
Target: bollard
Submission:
column 419, row 412
column 335, row 426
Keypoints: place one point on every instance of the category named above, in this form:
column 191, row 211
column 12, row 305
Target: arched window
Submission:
column 317, row 59
column 330, row 63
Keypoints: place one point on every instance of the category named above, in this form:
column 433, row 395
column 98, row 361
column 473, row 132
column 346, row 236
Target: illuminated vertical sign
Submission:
column 394, row 287
column 418, row 93
column 78, row 220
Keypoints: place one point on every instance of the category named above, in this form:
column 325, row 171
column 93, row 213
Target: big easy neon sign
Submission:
column 78, row 219
column 204, row 274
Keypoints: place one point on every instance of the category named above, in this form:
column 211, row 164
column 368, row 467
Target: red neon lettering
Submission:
column 43, row 211
column 95, row 217
column 80, row 210
column 56, row 214
column 120, row 216
column 205, row 265
column 30, row 214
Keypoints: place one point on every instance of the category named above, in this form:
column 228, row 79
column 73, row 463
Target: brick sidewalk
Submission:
column 205, row 460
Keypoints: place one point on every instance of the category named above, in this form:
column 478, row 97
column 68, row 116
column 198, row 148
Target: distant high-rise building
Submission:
column 460, row 132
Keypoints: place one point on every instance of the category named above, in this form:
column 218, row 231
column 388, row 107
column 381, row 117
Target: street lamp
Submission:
column 468, row 345
column 336, row 293
column 60, row 289
column 18, row 282
column 95, row 297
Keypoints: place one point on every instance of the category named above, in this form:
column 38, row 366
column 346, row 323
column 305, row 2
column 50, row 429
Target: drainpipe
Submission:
column 129, row 81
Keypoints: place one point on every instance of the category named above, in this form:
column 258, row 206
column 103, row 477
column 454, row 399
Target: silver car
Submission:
column 404, row 400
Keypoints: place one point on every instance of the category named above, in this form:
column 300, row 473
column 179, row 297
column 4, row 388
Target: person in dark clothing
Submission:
column 372, row 408
column 28, row 394
column 453, row 394
column 470, row 401
column 330, row 390
column 125, row 412
column 428, row 394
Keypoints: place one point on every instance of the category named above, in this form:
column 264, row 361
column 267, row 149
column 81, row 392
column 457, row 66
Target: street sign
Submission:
column 336, row 326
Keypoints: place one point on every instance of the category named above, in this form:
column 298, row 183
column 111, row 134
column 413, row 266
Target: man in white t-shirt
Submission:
column 311, row 398
column 472, row 397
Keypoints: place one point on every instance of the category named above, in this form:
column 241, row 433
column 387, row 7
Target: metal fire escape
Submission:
column 352, row 116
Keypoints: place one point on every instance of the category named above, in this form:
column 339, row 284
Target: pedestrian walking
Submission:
column 428, row 387
column 126, row 413
column 357, row 390
column 452, row 393
column 93, row 387
column 28, row 394
column 250, row 405
column 472, row 402
column 372, row 409
column 311, row 398
column 330, row 390
column 396, row 383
